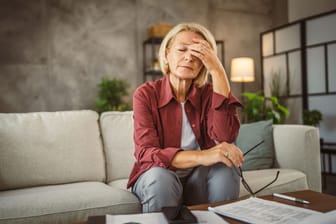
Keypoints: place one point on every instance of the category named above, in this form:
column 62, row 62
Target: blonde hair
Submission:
column 202, row 76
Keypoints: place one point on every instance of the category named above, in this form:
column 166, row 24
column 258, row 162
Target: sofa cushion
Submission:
column 121, row 183
column 68, row 203
column 46, row 148
column 249, row 135
column 289, row 180
column 117, row 132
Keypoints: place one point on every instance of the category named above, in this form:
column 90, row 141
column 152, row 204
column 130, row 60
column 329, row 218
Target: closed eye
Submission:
column 181, row 48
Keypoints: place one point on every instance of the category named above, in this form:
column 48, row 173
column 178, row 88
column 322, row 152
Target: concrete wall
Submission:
column 299, row 9
column 53, row 53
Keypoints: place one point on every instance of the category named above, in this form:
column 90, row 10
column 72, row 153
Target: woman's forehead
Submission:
column 185, row 37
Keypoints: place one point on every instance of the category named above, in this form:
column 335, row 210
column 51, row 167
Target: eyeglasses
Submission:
column 243, row 180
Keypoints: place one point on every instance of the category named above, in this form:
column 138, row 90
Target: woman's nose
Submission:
column 188, row 56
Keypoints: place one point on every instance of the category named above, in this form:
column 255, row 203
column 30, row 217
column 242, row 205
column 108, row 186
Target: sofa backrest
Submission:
column 298, row 147
column 117, row 132
column 46, row 148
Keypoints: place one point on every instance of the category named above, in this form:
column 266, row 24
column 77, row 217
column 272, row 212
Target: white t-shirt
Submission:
column 188, row 141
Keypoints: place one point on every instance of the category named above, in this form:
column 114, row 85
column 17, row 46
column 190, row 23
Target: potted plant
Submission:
column 111, row 96
column 312, row 117
column 258, row 107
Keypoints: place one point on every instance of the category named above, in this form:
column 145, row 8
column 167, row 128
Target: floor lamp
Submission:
column 242, row 70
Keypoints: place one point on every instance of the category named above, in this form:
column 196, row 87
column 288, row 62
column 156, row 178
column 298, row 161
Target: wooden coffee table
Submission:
column 318, row 202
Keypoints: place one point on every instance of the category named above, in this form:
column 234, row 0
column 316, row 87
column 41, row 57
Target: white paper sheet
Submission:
column 256, row 210
column 207, row 217
column 142, row 218
column 203, row 217
column 324, row 218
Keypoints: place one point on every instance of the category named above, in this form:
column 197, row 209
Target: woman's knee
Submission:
column 225, row 174
column 158, row 187
column 159, row 179
column 223, row 183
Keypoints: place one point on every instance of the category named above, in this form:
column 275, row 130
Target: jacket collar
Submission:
column 167, row 94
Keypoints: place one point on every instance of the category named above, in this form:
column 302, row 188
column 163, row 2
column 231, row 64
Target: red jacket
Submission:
column 158, row 122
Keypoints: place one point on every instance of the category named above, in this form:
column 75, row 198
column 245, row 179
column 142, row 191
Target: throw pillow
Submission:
column 262, row 157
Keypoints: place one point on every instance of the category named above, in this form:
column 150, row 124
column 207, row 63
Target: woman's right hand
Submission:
column 226, row 153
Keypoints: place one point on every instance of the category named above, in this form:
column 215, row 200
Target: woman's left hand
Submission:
column 202, row 50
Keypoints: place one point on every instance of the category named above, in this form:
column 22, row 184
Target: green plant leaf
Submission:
column 111, row 95
column 284, row 110
column 312, row 117
column 257, row 107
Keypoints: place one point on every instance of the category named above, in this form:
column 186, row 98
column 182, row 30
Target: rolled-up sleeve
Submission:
column 223, row 119
column 226, row 103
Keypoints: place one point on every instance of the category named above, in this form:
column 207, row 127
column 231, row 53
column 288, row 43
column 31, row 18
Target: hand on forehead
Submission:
column 189, row 39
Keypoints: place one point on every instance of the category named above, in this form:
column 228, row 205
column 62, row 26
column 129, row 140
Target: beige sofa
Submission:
column 61, row 167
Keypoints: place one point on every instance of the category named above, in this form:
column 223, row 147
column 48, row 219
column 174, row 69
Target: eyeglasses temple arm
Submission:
column 253, row 147
column 247, row 187
column 276, row 177
column 245, row 184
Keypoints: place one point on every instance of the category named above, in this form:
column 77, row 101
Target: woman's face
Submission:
column 182, row 63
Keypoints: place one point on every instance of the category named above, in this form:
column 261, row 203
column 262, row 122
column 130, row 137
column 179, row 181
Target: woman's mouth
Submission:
column 186, row 67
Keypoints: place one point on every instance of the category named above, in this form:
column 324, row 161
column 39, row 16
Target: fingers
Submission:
column 201, row 42
column 226, row 153
column 233, row 154
column 228, row 162
column 201, row 48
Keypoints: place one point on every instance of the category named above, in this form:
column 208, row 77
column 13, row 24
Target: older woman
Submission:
column 184, row 126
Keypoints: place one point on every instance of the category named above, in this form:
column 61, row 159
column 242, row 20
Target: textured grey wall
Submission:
column 53, row 53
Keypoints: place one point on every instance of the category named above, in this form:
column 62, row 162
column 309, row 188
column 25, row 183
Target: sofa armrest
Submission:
column 298, row 147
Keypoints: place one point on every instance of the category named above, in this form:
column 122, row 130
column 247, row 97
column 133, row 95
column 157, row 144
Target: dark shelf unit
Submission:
column 150, row 54
column 151, row 47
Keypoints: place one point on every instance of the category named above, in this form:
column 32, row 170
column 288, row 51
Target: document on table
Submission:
column 256, row 210
column 324, row 218
column 146, row 218
column 203, row 217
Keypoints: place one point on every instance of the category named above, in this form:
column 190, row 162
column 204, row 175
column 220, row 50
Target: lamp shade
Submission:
column 242, row 69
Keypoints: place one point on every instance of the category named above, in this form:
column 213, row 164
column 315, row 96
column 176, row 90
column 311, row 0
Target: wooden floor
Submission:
column 329, row 185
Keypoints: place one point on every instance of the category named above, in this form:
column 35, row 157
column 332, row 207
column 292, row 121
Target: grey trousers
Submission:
column 159, row 187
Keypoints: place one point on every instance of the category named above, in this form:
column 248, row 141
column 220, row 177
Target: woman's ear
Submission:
column 165, row 61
